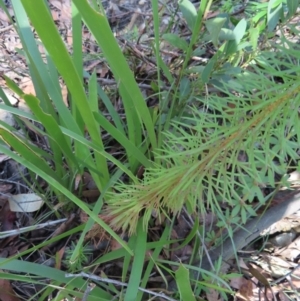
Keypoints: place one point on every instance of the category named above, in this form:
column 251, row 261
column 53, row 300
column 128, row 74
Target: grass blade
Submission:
column 138, row 263
column 56, row 183
column 45, row 27
column 134, row 102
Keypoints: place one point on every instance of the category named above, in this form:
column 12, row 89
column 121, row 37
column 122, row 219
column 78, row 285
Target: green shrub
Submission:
column 197, row 150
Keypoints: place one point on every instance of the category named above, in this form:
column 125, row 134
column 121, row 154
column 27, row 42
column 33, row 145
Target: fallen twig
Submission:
column 107, row 280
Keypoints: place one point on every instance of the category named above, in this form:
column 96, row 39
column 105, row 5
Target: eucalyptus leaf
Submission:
column 176, row 41
column 206, row 73
column 239, row 30
column 275, row 11
column 226, row 34
column 214, row 27
column 238, row 33
column 189, row 12
column 254, row 35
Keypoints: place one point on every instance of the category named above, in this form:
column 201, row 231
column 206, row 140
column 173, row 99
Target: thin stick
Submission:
column 107, row 280
column 30, row 228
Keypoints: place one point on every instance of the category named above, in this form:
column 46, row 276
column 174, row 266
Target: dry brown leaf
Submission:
column 242, row 264
column 59, row 256
column 97, row 234
column 291, row 252
column 246, row 291
column 6, row 291
column 5, row 188
column 264, row 294
column 25, row 202
column 88, row 181
column 254, row 270
column 212, row 295
column 245, row 288
column 78, row 179
column 7, row 217
column 91, row 194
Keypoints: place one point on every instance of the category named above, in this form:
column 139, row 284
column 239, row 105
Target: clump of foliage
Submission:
column 198, row 150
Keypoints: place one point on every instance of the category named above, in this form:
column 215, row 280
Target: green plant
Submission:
column 193, row 147
column 231, row 150
column 74, row 134
column 80, row 260
column 224, row 151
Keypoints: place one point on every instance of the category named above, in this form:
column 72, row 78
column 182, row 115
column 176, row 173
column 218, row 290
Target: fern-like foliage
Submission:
column 225, row 149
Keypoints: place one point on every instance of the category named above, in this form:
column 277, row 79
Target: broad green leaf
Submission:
column 274, row 13
column 182, row 278
column 226, row 34
column 254, row 35
column 100, row 150
column 13, row 86
column 111, row 256
column 77, row 60
column 134, row 126
column 214, row 27
column 259, row 16
column 161, row 66
column 174, row 40
column 33, row 147
column 239, row 30
column 238, row 33
column 166, row 70
column 77, row 39
column 128, row 259
column 76, row 137
column 189, row 12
